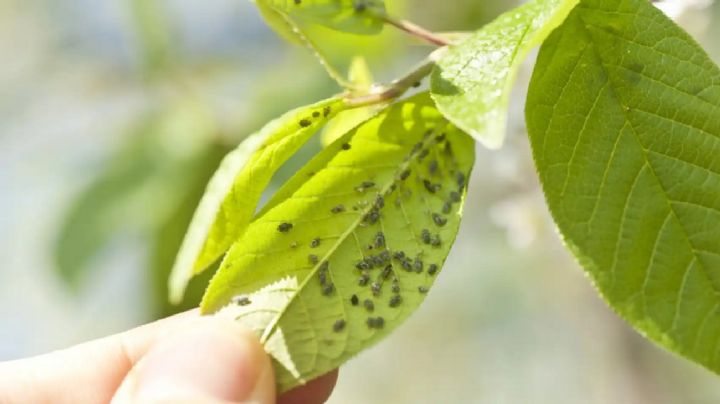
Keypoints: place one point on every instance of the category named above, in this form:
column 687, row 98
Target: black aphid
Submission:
column 454, row 197
column 364, row 279
column 395, row 288
column 315, row 243
column 418, row 265
column 346, row 146
column 354, row 300
column 339, row 325
column 460, row 177
column 360, row 6
column 439, row 138
column 376, row 288
column 416, row 148
column 422, row 289
column 399, row 255
column 439, row 219
column 284, row 227
column 313, row 259
column 364, row 186
column 371, row 217
column 326, row 111
column 417, row 84
column 322, row 275
column 377, row 260
column 363, row 264
column 406, row 264
column 395, row 301
column 425, row 236
column 316, row 114
column 384, row 256
column 447, row 208
column 241, row 300
column 405, row 174
column 328, row 288
column 387, row 272
column 338, row 209
column 433, row 167
column 380, row 240
column 305, row 123
column 436, row 242
column 432, row 269
column 376, row 322
column 369, row 305
column 430, row 187
column 324, row 266
column 423, row 154
column 380, row 202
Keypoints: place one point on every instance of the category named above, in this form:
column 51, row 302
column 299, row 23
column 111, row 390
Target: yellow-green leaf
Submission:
column 353, row 16
column 350, row 246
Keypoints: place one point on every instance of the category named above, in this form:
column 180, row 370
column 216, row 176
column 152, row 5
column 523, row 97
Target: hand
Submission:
column 182, row 359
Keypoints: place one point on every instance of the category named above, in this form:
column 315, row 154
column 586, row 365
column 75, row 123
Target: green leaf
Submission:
column 279, row 23
column 353, row 16
column 624, row 119
column 394, row 184
column 472, row 81
column 233, row 193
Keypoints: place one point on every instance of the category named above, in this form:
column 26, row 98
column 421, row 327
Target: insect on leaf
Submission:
column 472, row 81
column 349, row 247
column 352, row 16
column 233, row 192
column 624, row 120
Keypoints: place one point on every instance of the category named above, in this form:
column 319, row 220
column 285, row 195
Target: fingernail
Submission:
column 214, row 360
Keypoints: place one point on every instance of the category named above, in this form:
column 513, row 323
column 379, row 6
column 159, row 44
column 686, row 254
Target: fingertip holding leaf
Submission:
column 472, row 80
column 634, row 185
column 372, row 250
column 235, row 189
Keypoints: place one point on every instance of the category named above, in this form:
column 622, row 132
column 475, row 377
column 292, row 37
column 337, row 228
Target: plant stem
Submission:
column 394, row 89
column 415, row 30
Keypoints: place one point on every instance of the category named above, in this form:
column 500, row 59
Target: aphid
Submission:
column 364, row 279
column 432, row 269
column 454, row 197
column 405, row 174
column 447, row 208
column 316, row 114
column 315, row 243
column 298, row 1
column 326, row 110
column 380, row 240
column 422, row 289
column 418, row 265
column 416, row 148
column 354, row 300
column 323, row 277
column 375, row 287
column 284, row 227
column 339, row 325
column 387, row 272
column 328, row 288
column 379, row 202
column 376, row 260
column 369, row 305
column 460, row 177
column 426, row 237
column 395, row 301
column 359, row 6
column 417, row 84
column 372, row 217
column 364, row 186
column 375, row 322
column 313, row 259
column 384, row 256
column 429, row 186
column 406, row 264
column 304, row 123
column 433, row 167
column 324, row 266
column 338, row 209
column 439, row 138
column 241, row 300
column 346, row 146
column 363, row 265
column 436, row 242
column 423, row 154
column 439, row 219
column 395, row 288
column 399, row 255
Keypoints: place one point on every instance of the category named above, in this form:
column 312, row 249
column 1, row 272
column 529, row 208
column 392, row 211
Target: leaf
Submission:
column 353, row 16
column 624, row 119
column 235, row 189
column 472, row 81
column 279, row 23
column 394, row 184
column 362, row 79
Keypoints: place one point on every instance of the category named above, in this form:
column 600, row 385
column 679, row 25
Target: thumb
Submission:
column 210, row 360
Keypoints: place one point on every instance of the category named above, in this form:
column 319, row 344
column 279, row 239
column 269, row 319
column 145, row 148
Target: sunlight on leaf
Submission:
column 356, row 239
column 624, row 120
column 473, row 79
column 353, row 16
column 233, row 193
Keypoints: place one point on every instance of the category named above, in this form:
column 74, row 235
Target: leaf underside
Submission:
column 471, row 83
column 624, row 120
column 233, row 193
column 352, row 16
column 393, row 185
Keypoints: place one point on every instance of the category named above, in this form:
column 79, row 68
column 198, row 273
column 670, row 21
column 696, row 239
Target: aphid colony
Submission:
column 387, row 261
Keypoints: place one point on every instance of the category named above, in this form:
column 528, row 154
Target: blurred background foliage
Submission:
column 114, row 114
